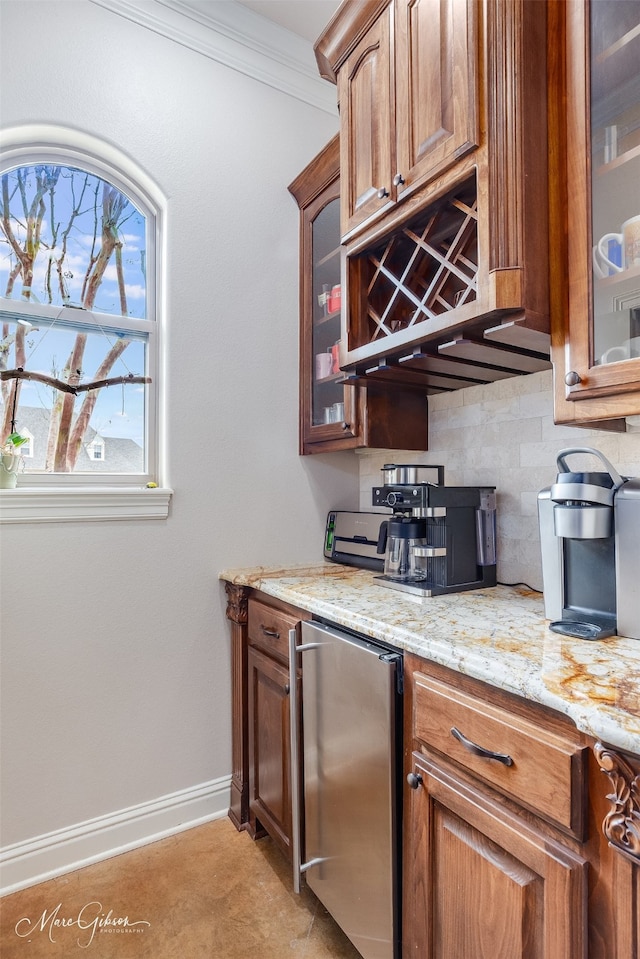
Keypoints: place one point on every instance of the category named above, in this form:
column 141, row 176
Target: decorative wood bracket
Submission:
column 237, row 614
column 237, row 603
column 621, row 825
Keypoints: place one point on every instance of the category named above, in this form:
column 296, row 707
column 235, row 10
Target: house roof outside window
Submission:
column 121, row 454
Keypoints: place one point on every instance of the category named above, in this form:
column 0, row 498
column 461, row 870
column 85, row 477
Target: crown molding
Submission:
column 238, row 38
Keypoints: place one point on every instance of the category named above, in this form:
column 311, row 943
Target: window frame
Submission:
column 69, row 496
column 37, row 144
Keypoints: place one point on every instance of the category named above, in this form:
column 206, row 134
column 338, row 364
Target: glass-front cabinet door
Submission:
column 603, row 202
column 329, row 409
column 327, row 391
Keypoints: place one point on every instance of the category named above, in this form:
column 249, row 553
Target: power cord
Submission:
column 532, row 588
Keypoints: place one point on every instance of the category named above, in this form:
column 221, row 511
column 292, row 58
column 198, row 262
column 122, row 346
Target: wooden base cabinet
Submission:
column 269, row 750
column 482, row 882
column 521, row 836
column 515, row 844
column 261, row 745
column 269, row 740
column 495, row 818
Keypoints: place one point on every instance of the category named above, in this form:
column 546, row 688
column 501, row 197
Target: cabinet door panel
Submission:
column 366, row 131
column 436, row 84
column 269, row 754
column 508, row 895
column 481, row 882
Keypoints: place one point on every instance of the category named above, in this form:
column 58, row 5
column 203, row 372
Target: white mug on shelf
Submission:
column 616, row 252
column 628, row 350
column 614, row 354
column 324, row 363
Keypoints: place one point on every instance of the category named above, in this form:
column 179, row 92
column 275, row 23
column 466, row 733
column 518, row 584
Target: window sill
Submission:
column 40, row 505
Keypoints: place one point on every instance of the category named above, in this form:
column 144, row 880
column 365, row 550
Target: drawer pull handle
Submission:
column 480, row 750
column 270, row 632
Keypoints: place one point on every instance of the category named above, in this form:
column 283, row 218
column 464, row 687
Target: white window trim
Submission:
column 24, row 505
column 69, row 497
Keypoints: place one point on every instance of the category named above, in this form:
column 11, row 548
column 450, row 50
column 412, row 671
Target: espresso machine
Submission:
column 440, row 539
column 590, row 544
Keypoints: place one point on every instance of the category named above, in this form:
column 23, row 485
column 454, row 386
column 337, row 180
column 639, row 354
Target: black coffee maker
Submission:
column 441, row 539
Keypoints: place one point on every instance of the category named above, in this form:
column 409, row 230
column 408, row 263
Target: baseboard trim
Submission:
column 53, row 854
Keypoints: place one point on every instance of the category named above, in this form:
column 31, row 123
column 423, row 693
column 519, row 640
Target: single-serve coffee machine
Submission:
column 440, row 539
column 590, row 543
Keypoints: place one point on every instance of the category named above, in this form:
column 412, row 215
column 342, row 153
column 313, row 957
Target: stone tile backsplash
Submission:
column 503, row 435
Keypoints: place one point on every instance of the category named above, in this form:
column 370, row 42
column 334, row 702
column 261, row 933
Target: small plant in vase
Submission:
column 10, row 460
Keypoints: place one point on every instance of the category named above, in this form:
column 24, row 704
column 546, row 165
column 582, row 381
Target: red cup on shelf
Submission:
column 335, row 298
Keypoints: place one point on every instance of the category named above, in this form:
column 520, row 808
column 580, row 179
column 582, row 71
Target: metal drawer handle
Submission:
column 480, row 750
column 270, row 632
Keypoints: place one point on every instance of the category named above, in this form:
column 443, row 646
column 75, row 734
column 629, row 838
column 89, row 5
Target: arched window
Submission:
column 78, row 324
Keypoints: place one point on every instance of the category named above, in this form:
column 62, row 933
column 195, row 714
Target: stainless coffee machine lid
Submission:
column 584, row 500
column 409, row 474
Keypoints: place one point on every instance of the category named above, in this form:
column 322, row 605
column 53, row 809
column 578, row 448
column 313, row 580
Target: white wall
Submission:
column 115, row 649
column 503, row 435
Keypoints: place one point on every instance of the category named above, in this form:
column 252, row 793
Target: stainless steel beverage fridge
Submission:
column 351, row 732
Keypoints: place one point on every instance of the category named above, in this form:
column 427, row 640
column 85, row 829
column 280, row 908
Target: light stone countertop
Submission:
column 497, row 635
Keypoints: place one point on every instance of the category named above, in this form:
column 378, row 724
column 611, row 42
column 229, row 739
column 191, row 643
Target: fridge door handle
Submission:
column 295, row 761
column 296, row 813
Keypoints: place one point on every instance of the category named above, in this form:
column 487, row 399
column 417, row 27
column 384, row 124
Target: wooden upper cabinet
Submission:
column 336, row 414
column 443, row 107
column 436, row 87
column 596, row 205
column 408, row 104
column 366, row 126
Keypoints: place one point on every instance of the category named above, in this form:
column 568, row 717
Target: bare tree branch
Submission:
column 68, row 388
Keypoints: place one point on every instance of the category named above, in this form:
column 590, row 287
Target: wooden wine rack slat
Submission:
column 426, row 268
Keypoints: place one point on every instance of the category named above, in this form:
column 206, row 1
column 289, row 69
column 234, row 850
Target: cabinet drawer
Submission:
column 544, row 771
column 269, row 629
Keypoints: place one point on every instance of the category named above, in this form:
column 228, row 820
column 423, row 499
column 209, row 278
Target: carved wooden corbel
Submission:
column 237, row 614
column 237, row 603
column 621, row 825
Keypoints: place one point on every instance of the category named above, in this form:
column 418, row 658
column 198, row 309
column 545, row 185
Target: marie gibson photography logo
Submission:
column 91, row 920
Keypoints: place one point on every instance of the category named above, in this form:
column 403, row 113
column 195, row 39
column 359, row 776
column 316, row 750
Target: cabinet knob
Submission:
column 398, row 179
column 382, row 193
column 572, row 378
column 414, row 780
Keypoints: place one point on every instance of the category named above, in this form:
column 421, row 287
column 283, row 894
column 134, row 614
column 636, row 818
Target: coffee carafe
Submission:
column 400, row 540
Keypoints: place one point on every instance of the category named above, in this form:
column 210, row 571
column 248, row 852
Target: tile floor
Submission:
column 207, row 893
